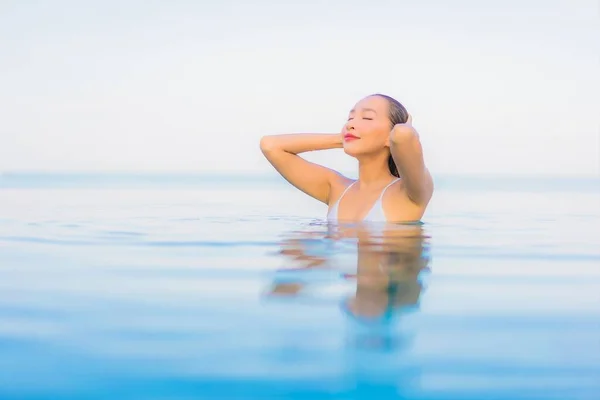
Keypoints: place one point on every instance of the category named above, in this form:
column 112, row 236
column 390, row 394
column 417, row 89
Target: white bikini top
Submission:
column 375, row 213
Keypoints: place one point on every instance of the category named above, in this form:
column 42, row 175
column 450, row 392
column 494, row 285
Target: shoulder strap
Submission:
column 333, row 210
column 386, row 188
column 345, row 190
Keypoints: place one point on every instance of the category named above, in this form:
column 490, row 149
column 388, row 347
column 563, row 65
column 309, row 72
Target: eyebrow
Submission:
column 364, row 110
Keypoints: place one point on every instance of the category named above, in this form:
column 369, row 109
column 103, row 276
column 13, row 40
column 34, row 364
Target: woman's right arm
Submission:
column 313, row 179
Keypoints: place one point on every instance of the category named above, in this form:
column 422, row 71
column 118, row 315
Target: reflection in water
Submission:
column 384, row 265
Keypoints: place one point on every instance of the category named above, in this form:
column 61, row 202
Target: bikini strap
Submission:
column 386, row 188
column 345, row 190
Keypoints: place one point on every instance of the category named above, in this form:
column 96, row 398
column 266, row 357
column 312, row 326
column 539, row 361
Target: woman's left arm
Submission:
column 407, row 153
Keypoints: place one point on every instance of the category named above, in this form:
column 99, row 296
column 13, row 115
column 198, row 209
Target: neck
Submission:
column 373, row 171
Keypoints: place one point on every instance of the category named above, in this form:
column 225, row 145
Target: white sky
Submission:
column 503, row 87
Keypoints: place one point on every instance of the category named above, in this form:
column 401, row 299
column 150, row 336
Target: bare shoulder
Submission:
column 398, row 205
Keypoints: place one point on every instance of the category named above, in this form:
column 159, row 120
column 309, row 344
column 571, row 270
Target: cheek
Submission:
column 377, row 133
column 367, row 127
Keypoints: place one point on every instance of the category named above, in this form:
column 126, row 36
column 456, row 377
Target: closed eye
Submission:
column 370, row 119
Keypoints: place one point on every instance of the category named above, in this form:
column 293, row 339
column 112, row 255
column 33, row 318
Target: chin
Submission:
column 352, row 149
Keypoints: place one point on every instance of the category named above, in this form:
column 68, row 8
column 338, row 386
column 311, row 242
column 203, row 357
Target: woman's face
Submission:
column 368, row 127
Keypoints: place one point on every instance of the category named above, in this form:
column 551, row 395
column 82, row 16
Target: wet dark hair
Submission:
column 397, row 115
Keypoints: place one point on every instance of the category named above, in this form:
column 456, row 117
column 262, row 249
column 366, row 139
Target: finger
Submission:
column 409, row 119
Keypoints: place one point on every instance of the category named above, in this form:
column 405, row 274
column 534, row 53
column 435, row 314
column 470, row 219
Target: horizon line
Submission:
column 225, row 173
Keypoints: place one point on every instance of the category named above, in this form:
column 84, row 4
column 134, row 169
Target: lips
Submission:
column 348, row 137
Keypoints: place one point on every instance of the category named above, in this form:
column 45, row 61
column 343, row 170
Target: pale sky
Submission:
column 502, row 87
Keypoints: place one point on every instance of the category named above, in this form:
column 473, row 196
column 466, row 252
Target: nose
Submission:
column 349, row 125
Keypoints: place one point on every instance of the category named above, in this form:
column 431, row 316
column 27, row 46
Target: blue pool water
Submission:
column 184, row 286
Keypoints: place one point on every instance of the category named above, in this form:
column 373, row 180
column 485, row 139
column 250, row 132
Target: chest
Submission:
column 357, row 206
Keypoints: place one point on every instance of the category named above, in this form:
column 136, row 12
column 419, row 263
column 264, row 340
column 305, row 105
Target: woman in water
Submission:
column 393, row 183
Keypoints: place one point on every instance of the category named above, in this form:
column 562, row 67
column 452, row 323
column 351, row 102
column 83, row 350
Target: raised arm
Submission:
column 313, row 179
column 407, row 153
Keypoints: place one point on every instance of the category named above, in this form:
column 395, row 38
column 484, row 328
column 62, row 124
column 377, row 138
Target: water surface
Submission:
column 163, row 287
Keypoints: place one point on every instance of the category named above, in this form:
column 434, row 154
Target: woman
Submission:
column 393, row 183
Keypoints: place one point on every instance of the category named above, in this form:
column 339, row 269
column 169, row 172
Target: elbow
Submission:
column 267, row 144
